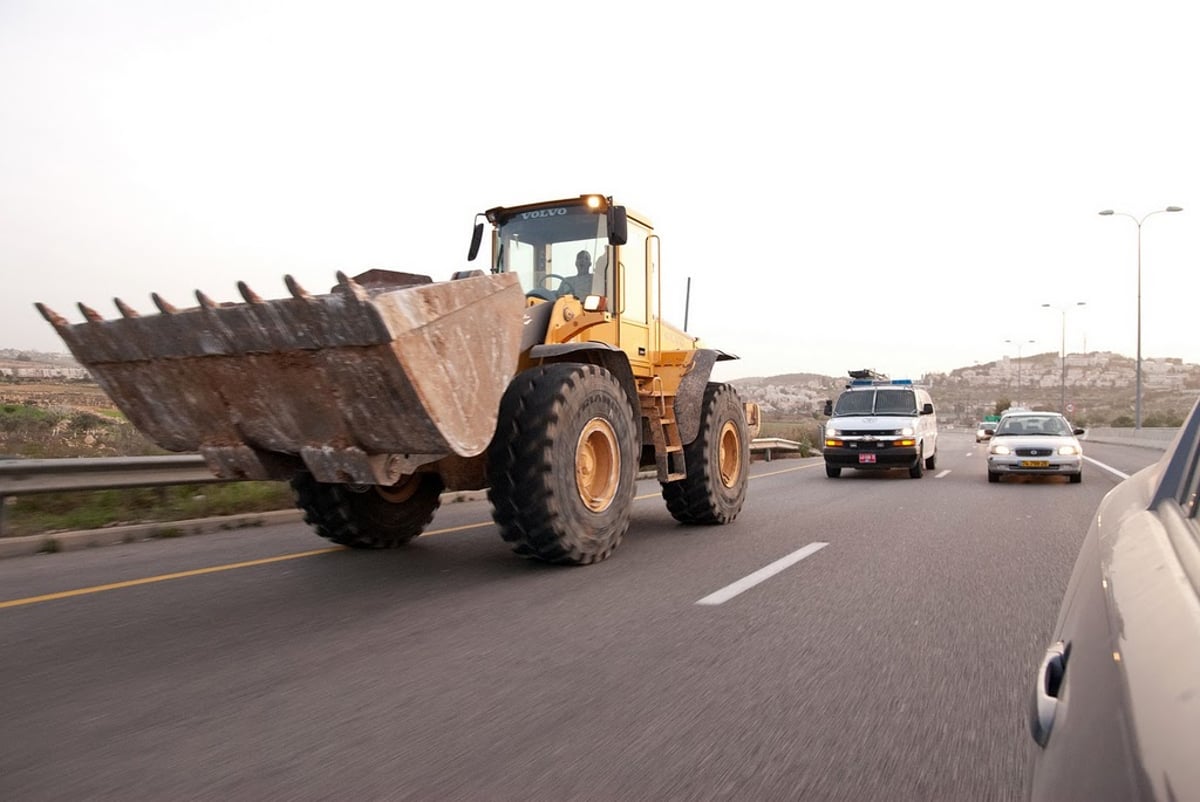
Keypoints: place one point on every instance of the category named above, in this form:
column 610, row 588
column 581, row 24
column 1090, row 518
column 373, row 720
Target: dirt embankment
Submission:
column 81, row 396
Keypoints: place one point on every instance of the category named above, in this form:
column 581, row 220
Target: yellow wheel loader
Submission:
column 547, row 377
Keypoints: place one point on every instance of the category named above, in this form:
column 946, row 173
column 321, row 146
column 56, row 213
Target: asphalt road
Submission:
column 893, row 662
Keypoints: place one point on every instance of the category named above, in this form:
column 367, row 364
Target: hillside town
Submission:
column 1097, row 388
column 35, row 365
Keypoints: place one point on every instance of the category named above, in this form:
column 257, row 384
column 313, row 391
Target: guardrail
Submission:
column 23, row 477
column 769, row 444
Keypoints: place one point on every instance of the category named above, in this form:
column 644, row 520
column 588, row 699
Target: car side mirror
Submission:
column 927, row 409
column 828, row 410
column 989, row 431
column 1078, row 432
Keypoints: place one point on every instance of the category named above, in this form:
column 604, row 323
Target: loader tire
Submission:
column 717, row 461
column 367, row 516
column 562, row 466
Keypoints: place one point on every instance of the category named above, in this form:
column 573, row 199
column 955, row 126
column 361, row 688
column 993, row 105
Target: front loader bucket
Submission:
column 362, row 385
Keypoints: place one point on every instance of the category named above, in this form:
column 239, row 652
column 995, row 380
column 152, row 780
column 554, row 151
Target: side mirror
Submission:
column 476, row 239
column 828, row 408
column 927, row 409
column 1078, row 432
column 989, row 432
column 618, row 226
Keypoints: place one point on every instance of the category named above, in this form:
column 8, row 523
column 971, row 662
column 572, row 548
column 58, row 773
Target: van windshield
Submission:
column 880, row 401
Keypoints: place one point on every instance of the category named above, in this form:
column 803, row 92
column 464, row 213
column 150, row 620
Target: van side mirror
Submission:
column 476, row 239
column 828, row 407
column 927, row 409
column 618, row 226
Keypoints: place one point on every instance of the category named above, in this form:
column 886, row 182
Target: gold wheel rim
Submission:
column 730, row 454
column 597, row 465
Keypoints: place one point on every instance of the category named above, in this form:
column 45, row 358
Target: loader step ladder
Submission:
column 658, row 409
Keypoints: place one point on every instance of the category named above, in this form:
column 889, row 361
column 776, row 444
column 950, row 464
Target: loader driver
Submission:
column 580, row 284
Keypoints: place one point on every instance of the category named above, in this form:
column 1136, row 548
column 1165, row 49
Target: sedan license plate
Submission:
column 1035, row 463
column 866, row 458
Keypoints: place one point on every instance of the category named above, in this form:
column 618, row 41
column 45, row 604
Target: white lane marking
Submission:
column 761, row 575
column 1108, row 468
column 943, row 473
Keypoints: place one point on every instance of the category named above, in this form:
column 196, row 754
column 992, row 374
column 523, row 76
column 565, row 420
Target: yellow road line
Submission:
column 66, row 594
column 149, row 580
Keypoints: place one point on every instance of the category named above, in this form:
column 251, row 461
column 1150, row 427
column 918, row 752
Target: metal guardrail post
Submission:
column 3, row 504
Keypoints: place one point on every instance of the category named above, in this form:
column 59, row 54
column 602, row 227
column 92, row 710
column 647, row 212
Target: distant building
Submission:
column 44, row 372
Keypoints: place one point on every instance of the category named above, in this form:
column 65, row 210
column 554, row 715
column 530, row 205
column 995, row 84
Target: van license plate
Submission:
column 866, row 458
column 1035, row 463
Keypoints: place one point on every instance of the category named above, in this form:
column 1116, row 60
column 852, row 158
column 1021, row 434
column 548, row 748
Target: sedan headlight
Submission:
column 1068, row 451
column 1000, row 449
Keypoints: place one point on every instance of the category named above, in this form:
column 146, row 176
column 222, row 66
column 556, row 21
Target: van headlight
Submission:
column 907, row 431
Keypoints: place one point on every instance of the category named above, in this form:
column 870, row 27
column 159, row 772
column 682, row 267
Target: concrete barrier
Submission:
column 1158, row 438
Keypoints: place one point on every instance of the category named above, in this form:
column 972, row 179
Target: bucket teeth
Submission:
column 295, row 289
column 350, row 287
column 89, row 314
column 248, row 294
column 125, row 309
column 205, row 301
column 53, row 318
column 163, row 306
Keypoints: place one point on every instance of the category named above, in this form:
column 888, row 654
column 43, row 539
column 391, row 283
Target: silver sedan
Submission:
column 1037, row 444
column 1115, row 709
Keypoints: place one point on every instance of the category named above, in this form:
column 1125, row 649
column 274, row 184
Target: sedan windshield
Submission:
column 1053, row 425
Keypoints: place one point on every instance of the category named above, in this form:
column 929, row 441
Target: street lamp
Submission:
column 1137, row 404
column 1062, row 402
column 1019, row 344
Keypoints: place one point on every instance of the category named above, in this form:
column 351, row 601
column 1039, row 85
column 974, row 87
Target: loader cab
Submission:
column 542, row 242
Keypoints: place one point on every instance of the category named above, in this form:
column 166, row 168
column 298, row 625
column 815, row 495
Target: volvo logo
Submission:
column 561, row 210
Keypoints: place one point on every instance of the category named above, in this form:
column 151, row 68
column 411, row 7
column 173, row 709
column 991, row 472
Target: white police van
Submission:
column 879, row 423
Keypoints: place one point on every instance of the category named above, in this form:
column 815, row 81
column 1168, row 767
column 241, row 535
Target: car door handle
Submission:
column 1044, row 704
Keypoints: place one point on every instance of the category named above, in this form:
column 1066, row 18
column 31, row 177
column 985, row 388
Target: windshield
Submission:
column 880, row 401
column 1052, row 425
column 556, row 250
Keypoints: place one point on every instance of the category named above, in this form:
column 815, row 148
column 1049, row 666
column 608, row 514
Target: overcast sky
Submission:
column 877, row 184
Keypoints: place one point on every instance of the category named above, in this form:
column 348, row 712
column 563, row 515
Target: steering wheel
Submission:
column 547, row 294
column 561, row 281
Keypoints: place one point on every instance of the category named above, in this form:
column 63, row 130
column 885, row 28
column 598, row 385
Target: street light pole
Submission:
column 1062, row 398
column 1019, row 343
column 1137, row 402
